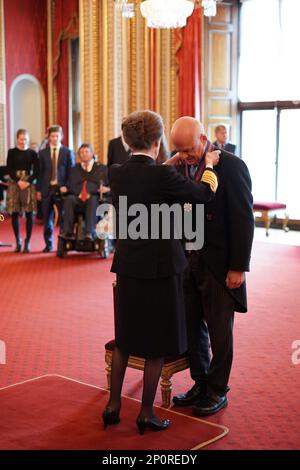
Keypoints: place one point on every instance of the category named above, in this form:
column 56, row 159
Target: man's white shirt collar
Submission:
column 90, row 165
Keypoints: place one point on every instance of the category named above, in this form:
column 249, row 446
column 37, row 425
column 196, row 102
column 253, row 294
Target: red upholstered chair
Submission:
column 268, row 211
column 171, row 365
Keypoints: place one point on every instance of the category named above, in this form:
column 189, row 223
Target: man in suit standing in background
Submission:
column 55, row 163
column 221, row 139
column 118, row 151
column 214, row 281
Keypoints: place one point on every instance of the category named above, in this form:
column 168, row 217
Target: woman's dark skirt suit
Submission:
column 150, row 315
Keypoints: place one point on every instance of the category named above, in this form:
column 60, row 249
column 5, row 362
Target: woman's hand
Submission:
column 103, row 189
column 23, row 185
column 177, row 159
column 212, row 158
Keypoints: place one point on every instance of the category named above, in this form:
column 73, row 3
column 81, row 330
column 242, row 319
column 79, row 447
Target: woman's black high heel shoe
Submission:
column 18, row 247
column 142, row 424
column 110, row 417
column 26, row 247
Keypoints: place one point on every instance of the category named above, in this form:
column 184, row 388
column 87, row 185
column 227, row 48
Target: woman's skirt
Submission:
column 21, row 201
column 150, row 316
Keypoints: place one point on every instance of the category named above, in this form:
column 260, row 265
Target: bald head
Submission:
column 187, row 136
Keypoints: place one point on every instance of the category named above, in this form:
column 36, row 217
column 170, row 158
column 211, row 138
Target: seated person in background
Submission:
column 118, row 151
column 221, row 139
column 87, row 184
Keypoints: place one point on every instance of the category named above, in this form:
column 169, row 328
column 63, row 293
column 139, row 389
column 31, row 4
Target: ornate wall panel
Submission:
column 51, row 102
column 25, row 47
column 91, row 71
column 3, row 147
column 220, row 69
column 125, row 66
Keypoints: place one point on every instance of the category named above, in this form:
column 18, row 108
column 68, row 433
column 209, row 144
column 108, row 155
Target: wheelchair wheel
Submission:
column 61, row 251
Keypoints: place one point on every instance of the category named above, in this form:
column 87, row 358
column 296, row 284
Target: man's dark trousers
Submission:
column 210, row 314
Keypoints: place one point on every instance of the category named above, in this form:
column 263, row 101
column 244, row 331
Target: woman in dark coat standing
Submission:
column 150, row 320
column 23, row 169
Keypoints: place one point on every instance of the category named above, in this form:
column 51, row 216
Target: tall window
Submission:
column 269, row 93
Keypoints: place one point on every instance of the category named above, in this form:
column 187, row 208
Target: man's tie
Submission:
column 193, row 170
column 84, row 194
column 53, row 164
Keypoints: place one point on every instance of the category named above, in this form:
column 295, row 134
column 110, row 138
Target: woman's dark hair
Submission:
column 141, row 129
column 22, row 132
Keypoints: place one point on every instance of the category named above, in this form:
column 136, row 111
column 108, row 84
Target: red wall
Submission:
column 26, row 43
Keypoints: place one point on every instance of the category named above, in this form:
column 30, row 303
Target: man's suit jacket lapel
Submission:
column 219, row 167
column 48, row 156
column 48, row 153
column 60, row 154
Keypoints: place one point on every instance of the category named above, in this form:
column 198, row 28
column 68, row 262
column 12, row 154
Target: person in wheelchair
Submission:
column 87, row 187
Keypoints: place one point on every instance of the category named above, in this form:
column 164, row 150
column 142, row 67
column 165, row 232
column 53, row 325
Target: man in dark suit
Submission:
column 55, row 163
column 87, row 183
column 118, row 151
column 221, row 139
column 214, row 282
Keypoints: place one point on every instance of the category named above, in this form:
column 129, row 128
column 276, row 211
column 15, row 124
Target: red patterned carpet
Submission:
column 56, row 316
column 70, row 421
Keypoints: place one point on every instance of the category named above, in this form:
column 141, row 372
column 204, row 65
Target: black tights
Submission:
column 152, row 372
column 16, row 226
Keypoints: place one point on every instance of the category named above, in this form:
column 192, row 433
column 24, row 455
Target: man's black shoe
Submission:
column 47, row 249
column 26, row 247
column 209, row 405
column 191, row 397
